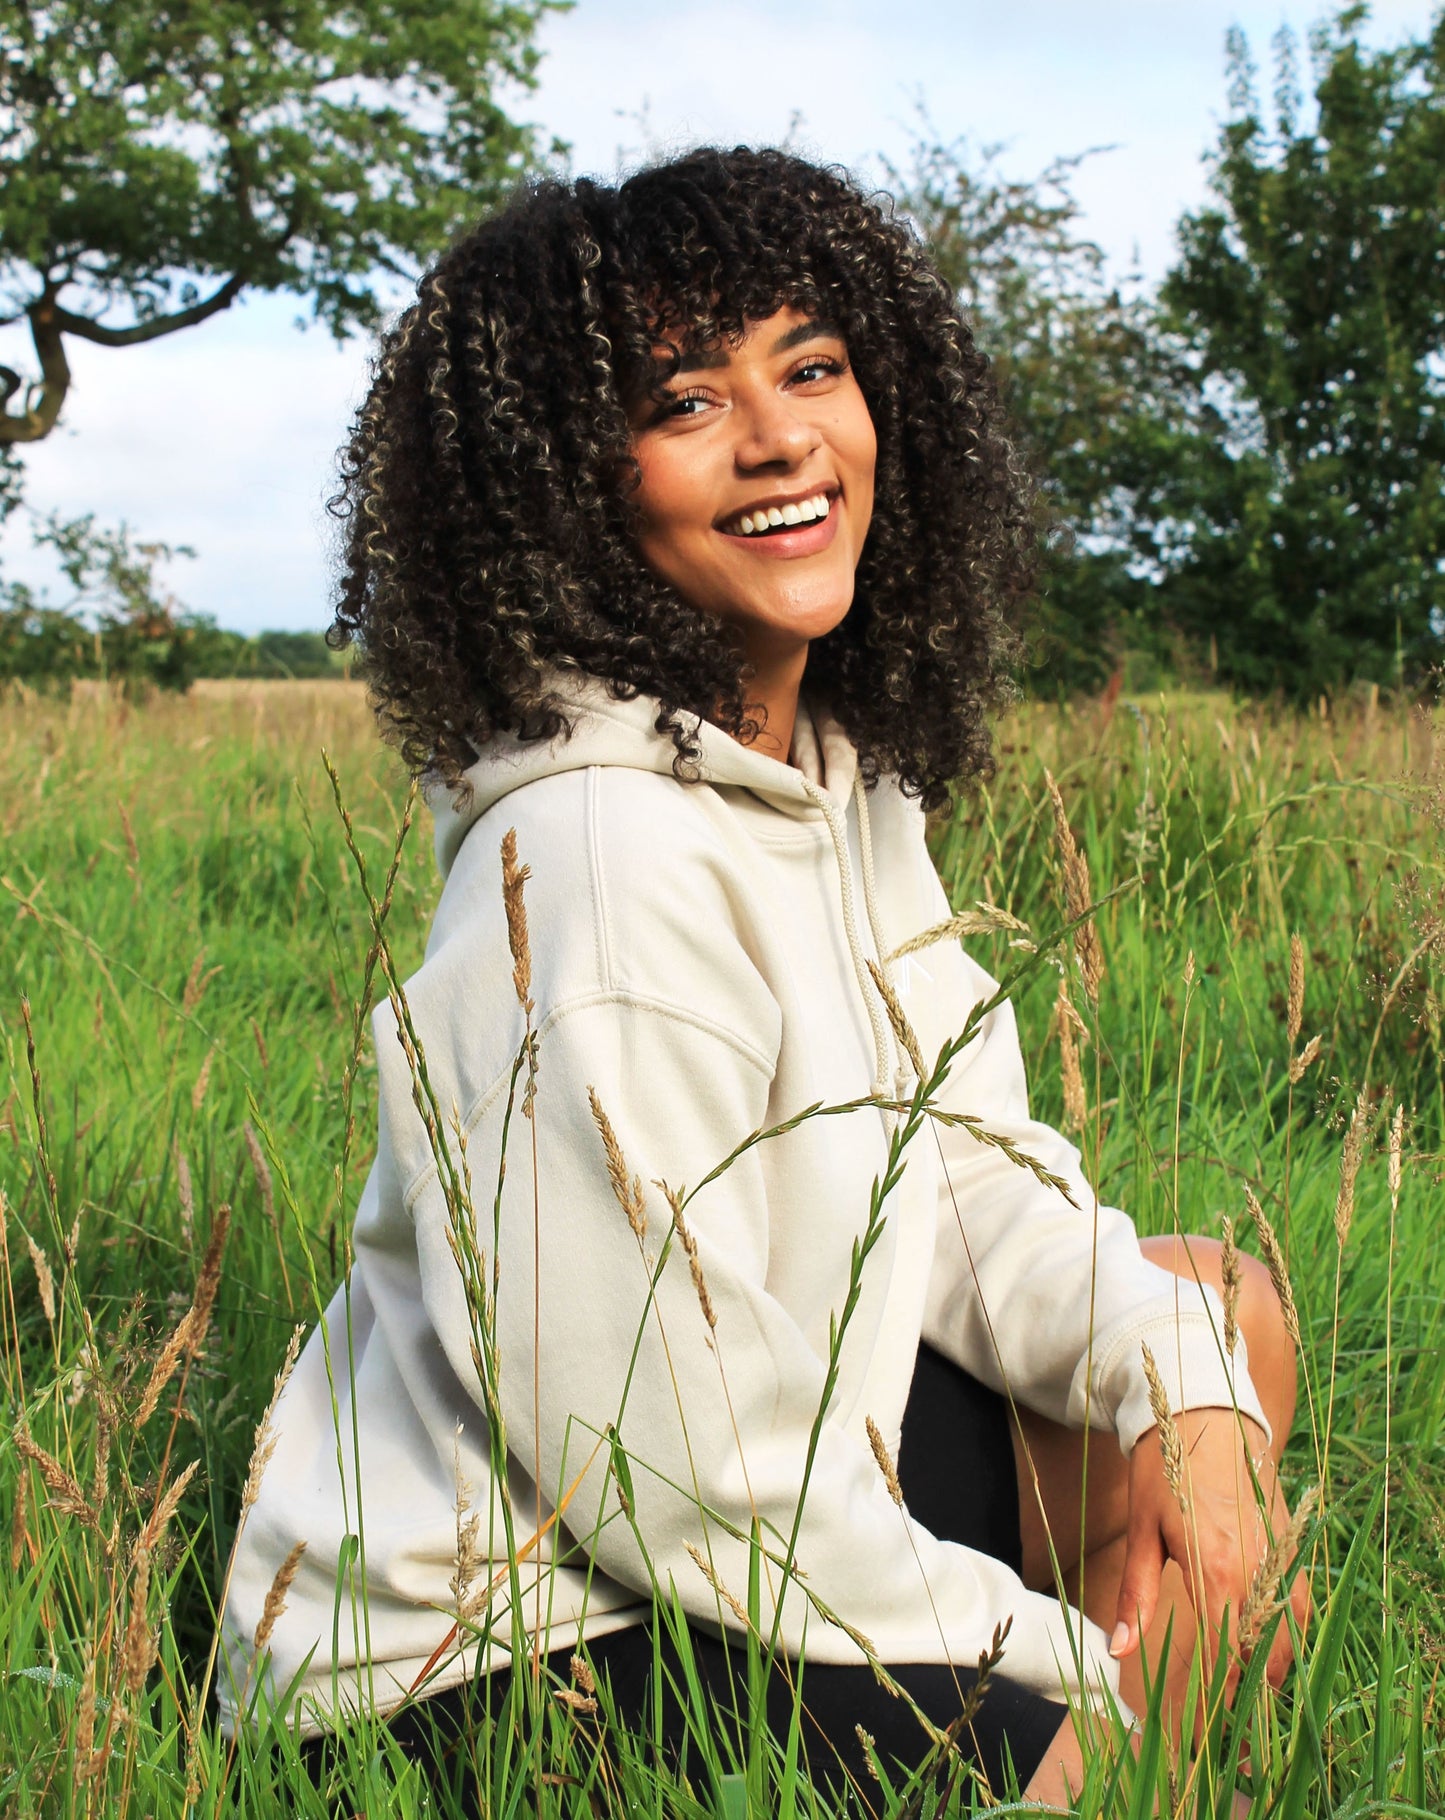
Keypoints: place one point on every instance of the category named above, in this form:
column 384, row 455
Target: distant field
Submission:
column 179, row 909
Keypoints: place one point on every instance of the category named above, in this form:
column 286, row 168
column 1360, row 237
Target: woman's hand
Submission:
column 1218, row 1539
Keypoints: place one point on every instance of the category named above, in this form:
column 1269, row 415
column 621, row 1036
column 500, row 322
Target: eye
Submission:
column 677, row 406
column 816, row 367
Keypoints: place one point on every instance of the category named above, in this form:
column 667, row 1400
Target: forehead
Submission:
column 787, row 328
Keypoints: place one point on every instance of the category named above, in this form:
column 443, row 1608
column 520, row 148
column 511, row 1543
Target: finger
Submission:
column 1138, row 1589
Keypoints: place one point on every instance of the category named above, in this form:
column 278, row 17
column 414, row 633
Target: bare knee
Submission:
column 1261, row 1317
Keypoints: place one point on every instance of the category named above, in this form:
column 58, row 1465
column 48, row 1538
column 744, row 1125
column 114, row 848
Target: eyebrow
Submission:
column 717, row 356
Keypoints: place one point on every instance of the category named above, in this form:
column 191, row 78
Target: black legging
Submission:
column 956, row 1472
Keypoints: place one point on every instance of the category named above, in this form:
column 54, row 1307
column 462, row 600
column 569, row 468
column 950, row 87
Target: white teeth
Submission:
column 766, row 518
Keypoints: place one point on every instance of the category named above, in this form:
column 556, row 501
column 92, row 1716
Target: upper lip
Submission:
column 778, row 500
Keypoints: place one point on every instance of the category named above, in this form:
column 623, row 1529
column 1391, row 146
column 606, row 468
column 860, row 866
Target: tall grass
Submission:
column 184, row 946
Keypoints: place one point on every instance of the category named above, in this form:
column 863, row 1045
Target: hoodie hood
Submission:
column 611, row 732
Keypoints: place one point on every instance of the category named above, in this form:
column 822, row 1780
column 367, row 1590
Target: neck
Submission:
column 774, row 687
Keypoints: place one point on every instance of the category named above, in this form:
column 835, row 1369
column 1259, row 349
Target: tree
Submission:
column 159, row 157
column 1097, row 393
column 1310, row 536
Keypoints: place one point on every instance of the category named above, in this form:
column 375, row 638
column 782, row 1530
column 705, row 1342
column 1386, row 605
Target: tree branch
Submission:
column 37, row 420
column 220, row 299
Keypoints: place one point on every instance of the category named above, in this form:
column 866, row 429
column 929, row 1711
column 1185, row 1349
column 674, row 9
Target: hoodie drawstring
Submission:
column 886, row 1052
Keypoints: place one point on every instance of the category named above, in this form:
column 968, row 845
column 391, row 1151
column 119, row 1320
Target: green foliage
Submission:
column 1087, row 376
column 121, row 624
column 1311, row 533
column 183, row 914
column 160, row 160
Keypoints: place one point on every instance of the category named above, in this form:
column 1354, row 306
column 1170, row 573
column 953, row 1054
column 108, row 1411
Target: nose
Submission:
column 771, row 431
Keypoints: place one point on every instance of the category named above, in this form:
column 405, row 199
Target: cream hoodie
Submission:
column 698, row 959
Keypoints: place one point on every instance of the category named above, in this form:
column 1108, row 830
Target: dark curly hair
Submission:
column 489, row 533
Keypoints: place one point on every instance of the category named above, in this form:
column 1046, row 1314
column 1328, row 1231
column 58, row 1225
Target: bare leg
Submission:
column 1088, row 1525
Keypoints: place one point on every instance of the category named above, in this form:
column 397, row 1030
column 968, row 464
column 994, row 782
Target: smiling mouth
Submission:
column 769, row 521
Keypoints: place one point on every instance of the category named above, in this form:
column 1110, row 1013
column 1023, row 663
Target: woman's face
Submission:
column 775, row 433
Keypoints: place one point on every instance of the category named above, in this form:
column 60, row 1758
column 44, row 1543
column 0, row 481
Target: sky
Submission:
column 223, row 437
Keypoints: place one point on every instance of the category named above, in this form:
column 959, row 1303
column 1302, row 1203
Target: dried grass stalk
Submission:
column 1295, row 1014
column 514, row 878
column 885, row 1461
column 1274, row 1261
column 187, row 1195
column 166, row 1507
column 1232, row 1277
column 689, row 1246
column 138, row 1651
column 1396, row 1156
column 627, row 1190
column 1263, row 1599
column 1350, row 1157
column 261, row 1170
column 1078, row 896
column 190, row 1333
column 65, row 1492
column 1072, row 1034
column 898, row 1018
column 85, row 1714
column 1302, row 1061
column 276, row 1597
column 19, row 1520
column 203, row 1080
column 1170, row 1445
column 739, row 1610
column 986, row 919
column 265, row 1443
column 44, row 1280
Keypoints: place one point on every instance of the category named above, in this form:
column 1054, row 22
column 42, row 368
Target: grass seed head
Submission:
column 186, row 1194
column 1351, row 1155
column 885, row 1461
column 627, row 1190
column 166, row 1507
column 203, row 1080
column 582, row 1675
column 514, row 879
column 1078, row 896
column 898, row 1018
column 1169, row 1443
column 1274, row 1261
column 44, row 1281
column 739, row 1610
column 276, row 1597
column 138, row 1651
column 1296, row 1011
column 65, row 1492
column 1301, row 1063
column 1396, row 1156
column 1263, row 1600
column 265, row 1442
column 1072, row 1032
column 1232, row 1277
column 262, row 1172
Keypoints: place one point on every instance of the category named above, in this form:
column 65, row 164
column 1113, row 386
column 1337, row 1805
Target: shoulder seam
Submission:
column 681, row 1014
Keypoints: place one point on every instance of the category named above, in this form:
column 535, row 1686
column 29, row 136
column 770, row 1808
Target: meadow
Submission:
column 187, row 1114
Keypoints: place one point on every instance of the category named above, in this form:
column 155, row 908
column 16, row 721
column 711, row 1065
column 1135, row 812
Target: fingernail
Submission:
column 1119, row 1638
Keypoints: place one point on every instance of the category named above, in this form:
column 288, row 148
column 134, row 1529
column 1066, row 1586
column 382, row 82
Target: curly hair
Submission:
column 489, row 536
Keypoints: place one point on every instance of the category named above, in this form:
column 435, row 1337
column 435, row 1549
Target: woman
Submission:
column 683, row 528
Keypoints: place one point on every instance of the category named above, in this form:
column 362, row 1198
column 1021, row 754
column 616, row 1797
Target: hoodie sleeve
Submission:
column 715, row 1409
column 1021, row 1278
